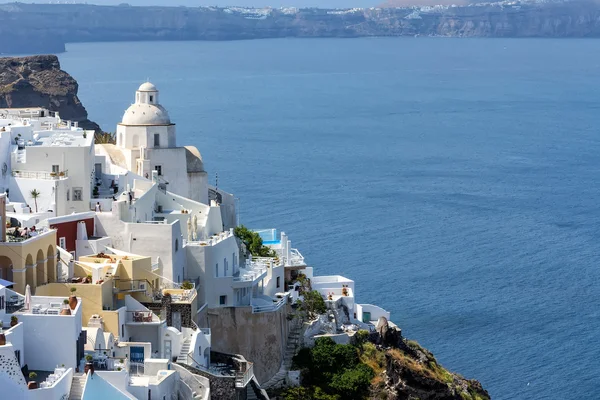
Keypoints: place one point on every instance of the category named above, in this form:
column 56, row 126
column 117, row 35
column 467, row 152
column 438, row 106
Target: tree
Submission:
column 253, row 242
column 354, row 382
column 35, row 195
column 313, row 304
column 105, row 138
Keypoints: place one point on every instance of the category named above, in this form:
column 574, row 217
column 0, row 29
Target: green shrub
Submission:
column 253, row 242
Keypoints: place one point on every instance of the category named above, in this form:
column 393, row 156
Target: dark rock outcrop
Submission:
column 32, row 28
column 38, row 81
column 412, row 372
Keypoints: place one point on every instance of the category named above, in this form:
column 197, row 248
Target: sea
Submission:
column 456, row 181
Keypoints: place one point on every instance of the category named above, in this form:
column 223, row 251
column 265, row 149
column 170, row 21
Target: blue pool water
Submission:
column 456, row 181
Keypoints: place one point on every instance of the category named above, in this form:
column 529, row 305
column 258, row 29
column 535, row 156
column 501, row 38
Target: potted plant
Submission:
column 88, row 279
column 32, row 384
column 13, row 321
column 89, row 365
column 66, row 310
column 95, row 192
column 2, row 336
column 73, row 298
column 61, row 173
column 84, row 134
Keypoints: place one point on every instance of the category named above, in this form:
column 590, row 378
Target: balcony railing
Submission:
column 40, row 174
column 270, row 307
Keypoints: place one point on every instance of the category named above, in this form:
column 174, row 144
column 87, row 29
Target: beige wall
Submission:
column 261, row 338
column 94, row 297
column 29, row 260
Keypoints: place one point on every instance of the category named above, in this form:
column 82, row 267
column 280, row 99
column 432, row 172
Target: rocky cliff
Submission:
column 408, row 371
column 46, row 27
column 38, row 81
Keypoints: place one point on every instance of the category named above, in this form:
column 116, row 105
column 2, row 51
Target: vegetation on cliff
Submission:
column 367, row 370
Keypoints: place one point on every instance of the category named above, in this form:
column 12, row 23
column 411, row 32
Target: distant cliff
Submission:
column 28, row 28
column 38, row 81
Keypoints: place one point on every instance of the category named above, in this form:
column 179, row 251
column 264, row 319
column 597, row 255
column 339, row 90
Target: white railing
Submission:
column 39, row 175
column 270, row 307
column 296, row 258
column 242, row 378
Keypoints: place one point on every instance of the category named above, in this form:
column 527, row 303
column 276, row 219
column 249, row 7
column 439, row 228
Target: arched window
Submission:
column 176, row 244
column 136, row 141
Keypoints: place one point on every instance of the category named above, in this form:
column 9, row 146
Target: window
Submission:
column 225, row 266
column 62, row 242
column 156, row 140
column 177, row 247
column 278, row 281
column 217, row 270
column 222, row 300
column 151, row 98
column 158, row 169
column 55, row 169
column 77, row 194
column 68, row 195
column 1, row 302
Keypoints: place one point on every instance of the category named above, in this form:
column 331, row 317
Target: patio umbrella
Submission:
column 27, row 297
column 189, row 226
column 195, row 226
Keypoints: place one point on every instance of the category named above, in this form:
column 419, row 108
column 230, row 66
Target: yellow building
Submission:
column 29, row 261
column 103, row 281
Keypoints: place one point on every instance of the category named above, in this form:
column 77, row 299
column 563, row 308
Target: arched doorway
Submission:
column 40, row 268
column 29, row 266
column 51, row 264
column 6, row 268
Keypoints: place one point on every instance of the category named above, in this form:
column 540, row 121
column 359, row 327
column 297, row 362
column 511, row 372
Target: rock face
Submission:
column 32, row 28
column 38, row 81
column 412, row 372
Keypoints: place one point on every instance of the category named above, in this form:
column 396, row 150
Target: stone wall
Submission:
column 168, row 308
column 261, row 338
column 221, row 387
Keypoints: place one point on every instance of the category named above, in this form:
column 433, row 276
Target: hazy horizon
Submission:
column 221, row 3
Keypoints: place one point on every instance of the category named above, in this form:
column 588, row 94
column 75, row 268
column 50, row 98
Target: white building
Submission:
column 146, row 142
column 39, row 151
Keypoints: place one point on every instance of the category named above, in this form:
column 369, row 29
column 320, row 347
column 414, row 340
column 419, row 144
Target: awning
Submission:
column 6, row 283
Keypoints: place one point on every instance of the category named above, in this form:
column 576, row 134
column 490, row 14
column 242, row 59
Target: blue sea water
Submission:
column 456, row 181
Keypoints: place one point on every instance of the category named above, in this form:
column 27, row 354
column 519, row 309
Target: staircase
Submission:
column 183, row 354
column 250, row 395
column 77, row 386
column 278, row 380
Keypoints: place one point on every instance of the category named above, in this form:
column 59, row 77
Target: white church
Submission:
column 147, row 141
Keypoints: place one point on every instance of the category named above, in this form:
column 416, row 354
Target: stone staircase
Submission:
column 183, row 354
column 77, row 386
column 278, row 380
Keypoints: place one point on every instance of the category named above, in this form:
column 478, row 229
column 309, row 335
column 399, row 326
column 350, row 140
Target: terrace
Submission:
column 254, row 270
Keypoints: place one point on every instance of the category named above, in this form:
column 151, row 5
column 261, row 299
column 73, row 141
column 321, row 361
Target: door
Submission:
column 176, row 320
column 366, row 317
column 167, row 347
column 98, row 171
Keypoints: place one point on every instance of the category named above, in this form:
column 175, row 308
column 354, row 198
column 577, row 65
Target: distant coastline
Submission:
column 46, row 28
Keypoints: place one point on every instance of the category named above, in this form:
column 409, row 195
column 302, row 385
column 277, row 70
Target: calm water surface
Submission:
column 456, row 181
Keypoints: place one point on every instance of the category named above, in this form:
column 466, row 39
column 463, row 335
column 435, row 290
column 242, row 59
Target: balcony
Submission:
column 132, row 286
column 261, row 308
column 142, row 317
column 40, row 175
column 253, row 271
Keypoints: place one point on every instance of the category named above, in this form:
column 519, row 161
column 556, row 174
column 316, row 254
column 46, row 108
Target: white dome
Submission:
column 147, row 87
column 146, row 114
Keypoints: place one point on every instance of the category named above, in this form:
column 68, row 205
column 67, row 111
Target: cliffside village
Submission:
column 121, row 276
